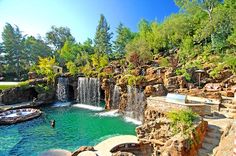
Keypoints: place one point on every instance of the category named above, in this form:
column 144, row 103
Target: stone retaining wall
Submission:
column 159, row 104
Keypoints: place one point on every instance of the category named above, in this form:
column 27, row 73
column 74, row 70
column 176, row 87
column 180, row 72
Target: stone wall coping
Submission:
column 163, row 99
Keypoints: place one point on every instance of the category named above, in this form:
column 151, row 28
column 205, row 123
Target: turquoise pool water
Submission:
column 74, row 127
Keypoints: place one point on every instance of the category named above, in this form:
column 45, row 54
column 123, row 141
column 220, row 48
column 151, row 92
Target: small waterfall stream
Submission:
column 135, row 103
column 62, row 89
column 116, row 97
column 88, row 91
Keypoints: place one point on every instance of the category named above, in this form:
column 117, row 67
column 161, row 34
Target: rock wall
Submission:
column 158, row 134
column 18, row 95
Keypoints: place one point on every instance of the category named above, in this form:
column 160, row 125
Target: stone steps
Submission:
column 211, row 141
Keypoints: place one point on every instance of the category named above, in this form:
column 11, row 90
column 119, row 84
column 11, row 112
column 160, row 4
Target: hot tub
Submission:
column 18, row 115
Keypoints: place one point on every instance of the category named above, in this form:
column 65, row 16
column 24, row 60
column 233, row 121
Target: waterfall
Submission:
column 135, row 103
column 88, row 91
column 116, row 97
column 62, row 89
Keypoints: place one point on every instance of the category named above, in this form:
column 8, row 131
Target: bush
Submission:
column 182, row 120
column 138, row 52
column 135, row 80
column 73, row 70
column 184, row 73
column 164, row 62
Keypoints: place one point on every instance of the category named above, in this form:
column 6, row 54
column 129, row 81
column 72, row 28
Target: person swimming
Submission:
column 53, row 123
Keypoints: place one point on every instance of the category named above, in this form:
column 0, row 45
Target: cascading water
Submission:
column 88, row 91
column 116, row 97
column 62, row 89
column 135, row 103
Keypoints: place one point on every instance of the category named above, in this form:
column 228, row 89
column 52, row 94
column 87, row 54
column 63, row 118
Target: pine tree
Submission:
column 102, row 39
column 13, row 49
column 124, row 36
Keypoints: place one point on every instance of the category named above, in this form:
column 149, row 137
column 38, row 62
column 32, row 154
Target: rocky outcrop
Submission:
column 106, row 86
column 123, row 154
column 175, row 82
column 46, row 98
column 155, row 90
column 18, row 95
column 226, row 145
column 213, row 87
column 82, row 149
column 158, row 134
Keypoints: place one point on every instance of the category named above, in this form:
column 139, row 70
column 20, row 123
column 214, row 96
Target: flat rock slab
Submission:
column 56, row 152
column 104, row 147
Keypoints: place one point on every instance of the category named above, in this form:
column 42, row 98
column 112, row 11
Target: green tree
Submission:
column 45, row 67
column 68, row 52
column 57, row 36
column 138, row 52
column 102, row 39
column 35, row 48
column 13, row 49
column 124, row 36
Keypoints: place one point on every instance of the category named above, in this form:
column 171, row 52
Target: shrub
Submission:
column 184, row 73
column 73, row 70
column 164, row 62
column 182, row 120
column 138, row 52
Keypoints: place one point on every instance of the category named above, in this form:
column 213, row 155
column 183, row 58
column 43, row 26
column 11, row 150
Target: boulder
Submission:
column 213, row 87
column 136, row 72
column 149, row 90
column 56, row 152
column 155, row 90
column 160, row 90
column 108, row 70
column 226, row 145
column 176, row 82
column 82, row 149
column 119, row 153
column 18, row 95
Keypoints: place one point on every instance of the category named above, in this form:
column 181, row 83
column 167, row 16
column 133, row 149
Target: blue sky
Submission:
column 81, row 16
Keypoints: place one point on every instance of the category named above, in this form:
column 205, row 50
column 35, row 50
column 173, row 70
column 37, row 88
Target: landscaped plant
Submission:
column 182, row 121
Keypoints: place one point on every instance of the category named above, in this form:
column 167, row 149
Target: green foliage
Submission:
column 99, row 62
column 45, row 67
column 181, row 120
column 102, row 37
column 73, row 70
column 134, row 80
column 24, row 84
column 13, row 49
column 43, row 88
column 57, row 37
column 138, row 52
column 184, row 73
column 164, row 62
column 124, row 36
column 68, row 52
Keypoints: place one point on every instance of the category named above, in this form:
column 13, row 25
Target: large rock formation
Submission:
column 158, row 134
column 227, row 145
column 18, row 95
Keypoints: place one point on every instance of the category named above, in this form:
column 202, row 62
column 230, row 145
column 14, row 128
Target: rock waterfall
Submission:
column 62, row 89
column 116, row 97
column 135, row 103
column 88, row 91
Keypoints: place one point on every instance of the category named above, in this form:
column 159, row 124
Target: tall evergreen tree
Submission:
column 36, row 48
column 102, row 38
column 13, row 49
column 124, row 36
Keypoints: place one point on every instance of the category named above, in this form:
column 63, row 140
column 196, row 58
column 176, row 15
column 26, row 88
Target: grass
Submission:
column 9, row 86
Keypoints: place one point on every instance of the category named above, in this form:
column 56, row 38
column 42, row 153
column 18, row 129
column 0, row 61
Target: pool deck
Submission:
column 104, row 147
